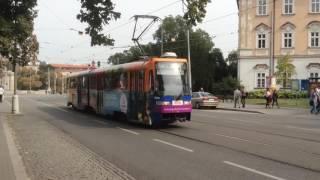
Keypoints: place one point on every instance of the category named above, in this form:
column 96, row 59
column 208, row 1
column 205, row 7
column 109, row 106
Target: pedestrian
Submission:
column 317, row 99
column 268, row 97
column 1, row 93
column 201, row 90
column 275, row 98
column 243, row 97
column 236, row 97
column 313, row 101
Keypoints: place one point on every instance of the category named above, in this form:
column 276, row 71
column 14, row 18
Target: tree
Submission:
column 206, row 61
column 232, row 61
column 196, row 11
column 285, row 70
column 29, row 79
column 16, row 22
column 97, row 13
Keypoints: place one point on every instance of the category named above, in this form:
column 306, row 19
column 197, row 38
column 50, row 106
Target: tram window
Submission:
column 140, row 81
column 83, row 82
column 151, row 80
column 93, row 82
column 124, row 80
column 132, row 81
column 115, row 80
column 107, row 82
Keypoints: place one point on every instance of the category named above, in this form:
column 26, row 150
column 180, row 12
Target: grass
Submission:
column 295, row 103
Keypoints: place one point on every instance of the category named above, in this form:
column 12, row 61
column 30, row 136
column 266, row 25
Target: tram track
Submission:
column 259, row 131
column 317, row 170
column 235, row 149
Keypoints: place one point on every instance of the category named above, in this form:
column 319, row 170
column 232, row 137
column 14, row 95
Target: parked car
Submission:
column 204, row 99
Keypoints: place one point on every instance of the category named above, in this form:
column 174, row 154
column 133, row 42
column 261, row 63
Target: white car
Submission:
column 204, row 99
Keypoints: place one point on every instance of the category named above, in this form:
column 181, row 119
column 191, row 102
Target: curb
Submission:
column 16, row 159
column 240, row 110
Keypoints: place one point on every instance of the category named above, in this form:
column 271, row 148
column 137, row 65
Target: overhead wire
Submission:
column 170, row 4
column 124, row 24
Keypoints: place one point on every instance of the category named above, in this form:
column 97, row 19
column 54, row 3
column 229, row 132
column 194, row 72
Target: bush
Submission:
column 284, row 94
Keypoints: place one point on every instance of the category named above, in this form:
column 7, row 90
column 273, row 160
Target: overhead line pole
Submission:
column 189, row 58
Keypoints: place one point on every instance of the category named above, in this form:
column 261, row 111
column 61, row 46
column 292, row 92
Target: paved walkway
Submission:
column 6, row 167
column 47, row 152
column 263, row 110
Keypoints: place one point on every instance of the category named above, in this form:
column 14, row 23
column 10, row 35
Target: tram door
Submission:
column 137, row 98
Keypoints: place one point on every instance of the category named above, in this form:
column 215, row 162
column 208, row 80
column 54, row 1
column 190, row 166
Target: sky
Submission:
column 56, row 28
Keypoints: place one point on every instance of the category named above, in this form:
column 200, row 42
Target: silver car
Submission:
column 204, row 99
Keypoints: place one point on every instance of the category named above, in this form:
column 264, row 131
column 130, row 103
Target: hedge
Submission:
column 285, row 94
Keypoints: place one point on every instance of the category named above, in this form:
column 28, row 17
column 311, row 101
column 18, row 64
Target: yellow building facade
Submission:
column 269, row 29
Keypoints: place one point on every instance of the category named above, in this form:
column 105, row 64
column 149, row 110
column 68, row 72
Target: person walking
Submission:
column 313, row 101
column 236, row 97
column 268, row 97
column 275, row 98
column 1, row 93
column 243, row 97
column 317, row 99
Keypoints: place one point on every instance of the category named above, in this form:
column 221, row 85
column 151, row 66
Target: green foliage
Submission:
column 258, row 94
column 97, row 13
column 29, row 78
column 195, row 11
column 232, row 61
column 283, row 94
column 208, row 64
column 226, row 86
column 285, row 70
column 16, row 26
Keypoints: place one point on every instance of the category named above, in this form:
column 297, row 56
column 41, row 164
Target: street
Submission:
column 216, row 144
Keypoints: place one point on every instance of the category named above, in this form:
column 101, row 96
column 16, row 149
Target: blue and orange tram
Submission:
column 152, row 91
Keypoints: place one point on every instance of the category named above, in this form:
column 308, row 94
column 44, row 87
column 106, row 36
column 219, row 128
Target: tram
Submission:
column 151, row 91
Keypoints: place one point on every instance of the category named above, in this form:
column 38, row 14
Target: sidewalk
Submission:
column 260, row 109
column 47, row 152
column 6, row 165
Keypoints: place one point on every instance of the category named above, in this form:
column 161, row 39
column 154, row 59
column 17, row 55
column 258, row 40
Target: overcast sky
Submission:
column 59, row 44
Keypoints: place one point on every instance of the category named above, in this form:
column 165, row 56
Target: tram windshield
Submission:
column 171, row 79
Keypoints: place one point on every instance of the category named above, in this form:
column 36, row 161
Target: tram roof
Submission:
column 129, row 66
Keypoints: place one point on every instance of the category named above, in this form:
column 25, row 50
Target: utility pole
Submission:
column 30, row 80
column 272, row 45
column 161, row 40
column 15, row 97
column 49, row 88
column 272, row 39
column 62, row 84
column 189, row 58
column 55, row 82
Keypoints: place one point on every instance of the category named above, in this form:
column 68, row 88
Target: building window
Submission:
column 261, row 7
column 315, row 6
column 314, row 75
column 261, row 80
column 262, row 39
column 315, row 39
column 287, row 40
column 288, row 6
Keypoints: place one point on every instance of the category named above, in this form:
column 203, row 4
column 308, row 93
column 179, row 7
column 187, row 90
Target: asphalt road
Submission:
column 214, row 145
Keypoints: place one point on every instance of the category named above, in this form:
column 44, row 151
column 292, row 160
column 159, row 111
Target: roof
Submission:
column 70, row 66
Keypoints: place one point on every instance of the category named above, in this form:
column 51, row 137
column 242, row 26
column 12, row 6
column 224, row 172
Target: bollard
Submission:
column 15, row 104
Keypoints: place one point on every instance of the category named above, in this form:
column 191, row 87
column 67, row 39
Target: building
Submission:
column 6, row 76
column 58, row 73
column 269, row 29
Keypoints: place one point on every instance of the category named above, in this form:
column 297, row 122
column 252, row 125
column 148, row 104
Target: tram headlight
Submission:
column 163, row 103
column 186, row 102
